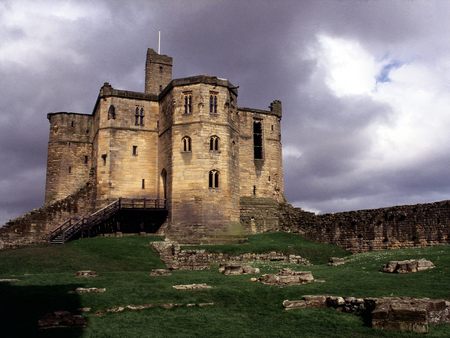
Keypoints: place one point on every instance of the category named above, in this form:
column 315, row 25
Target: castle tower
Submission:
column 158, row 72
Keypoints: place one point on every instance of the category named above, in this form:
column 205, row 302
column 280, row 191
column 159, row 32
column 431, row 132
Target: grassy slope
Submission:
column 241, row 308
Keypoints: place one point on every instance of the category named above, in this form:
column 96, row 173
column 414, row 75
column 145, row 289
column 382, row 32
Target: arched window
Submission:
column 214, row 143
column 214, row 179
column 141, row 117
column 136, row 117
column 186, row 144
column 213, row 103
column 111, row 112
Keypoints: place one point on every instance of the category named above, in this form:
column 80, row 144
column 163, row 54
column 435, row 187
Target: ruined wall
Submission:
column 374, row 229
column 34, row 226
column 261, row 177
column 69, row 154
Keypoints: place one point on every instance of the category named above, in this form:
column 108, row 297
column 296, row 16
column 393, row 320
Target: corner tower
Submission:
column 158, row 72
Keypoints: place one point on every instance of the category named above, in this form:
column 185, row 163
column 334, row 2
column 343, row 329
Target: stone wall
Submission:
column 34, row 226
column 374, row 229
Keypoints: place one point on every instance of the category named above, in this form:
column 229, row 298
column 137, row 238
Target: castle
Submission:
column 182, row 141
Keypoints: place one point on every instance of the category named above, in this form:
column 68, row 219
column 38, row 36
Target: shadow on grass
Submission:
column 21, row 307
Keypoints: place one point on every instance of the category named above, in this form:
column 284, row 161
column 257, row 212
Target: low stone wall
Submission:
column 374, row 229
column 177, row 259
column 32, row 227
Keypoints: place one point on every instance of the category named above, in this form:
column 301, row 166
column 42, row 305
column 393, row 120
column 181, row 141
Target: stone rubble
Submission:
column 9, row 280
column 408, row 266
column 199, row 259
column 89, row 290
column 140, row 307
column 160, row 272
column 387, row 313
column 60, row 319
column 335, row 261
column 192, row 286
column 86, row 274
column 237, row 269
column 287, row 277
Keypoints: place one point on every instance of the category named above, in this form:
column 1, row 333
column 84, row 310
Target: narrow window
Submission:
column 104, row 159
column 160, row 69
column 233, row 148
column 160, row 88
column 72, row 124
column 186, row 144
column 70, row 170
column 257, row 141
column 86, row 159
column 134, row 150
column 141, row 117
column 254, row 190
column 136, row 117
column 271, row 127
column 213, row 103
column 214, row 143
column 213, row 179
column 188, row 103
column 143, row 183
column 111, row 113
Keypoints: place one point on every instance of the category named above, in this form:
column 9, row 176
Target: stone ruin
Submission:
column 200, row 286
column 408, row 266
column 160, row 272
column 387, row 313
column 237, row 269
column 287, row 277
column 335, row 261
column 86, row 274
column 198, row 259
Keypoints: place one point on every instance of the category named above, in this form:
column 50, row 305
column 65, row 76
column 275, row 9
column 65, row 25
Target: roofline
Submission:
column 65, row 113
column 258, row 111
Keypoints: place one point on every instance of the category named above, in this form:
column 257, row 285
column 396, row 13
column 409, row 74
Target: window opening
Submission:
column 254, row 190
column 143, row 184
column 86, row 159
column 213, row 179
column 141, row 117
column 72, row 124
column 188, row 104
column 186, row 144
column 213, row 103
column 257, row 141
column 104, row 159
column 214, row 143
column 134, row 150
column 136, row 117
column 111, row 112
column 70, row 170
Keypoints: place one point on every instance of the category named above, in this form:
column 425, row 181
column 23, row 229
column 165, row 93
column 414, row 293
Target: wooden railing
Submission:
column 74, row 226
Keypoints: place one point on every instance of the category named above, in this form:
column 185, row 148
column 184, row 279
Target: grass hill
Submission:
column 241, row 308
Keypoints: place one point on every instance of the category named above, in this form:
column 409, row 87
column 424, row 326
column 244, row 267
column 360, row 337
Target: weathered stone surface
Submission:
column 140, row 307
column 335, row 261
column 200, row 286
column 86, row 274
column 237, row 269
column 287, row 277
column 199, row 259
column 387, row 313
column 89, row 290
column 160, row 272
column 61, row 319
column 407, row 266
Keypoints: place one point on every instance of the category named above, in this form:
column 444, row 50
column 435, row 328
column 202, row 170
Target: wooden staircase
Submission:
column 81, row 227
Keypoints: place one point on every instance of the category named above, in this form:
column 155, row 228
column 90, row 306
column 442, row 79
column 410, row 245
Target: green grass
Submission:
column 242, row 308
column 317, row 253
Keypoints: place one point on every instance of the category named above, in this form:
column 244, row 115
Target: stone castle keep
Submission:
column 184, row 142
column 183, row 159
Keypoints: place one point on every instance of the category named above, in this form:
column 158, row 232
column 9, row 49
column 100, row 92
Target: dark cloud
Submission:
column 57, row 60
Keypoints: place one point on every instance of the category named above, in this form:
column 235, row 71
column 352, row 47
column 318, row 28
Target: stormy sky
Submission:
column 365, row 85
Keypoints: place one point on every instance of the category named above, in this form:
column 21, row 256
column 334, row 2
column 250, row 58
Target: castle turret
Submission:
column 158, row 72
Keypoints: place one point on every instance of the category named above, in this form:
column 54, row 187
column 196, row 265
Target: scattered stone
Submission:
column 59, row 319
column 86, row 274
column 287, row 277
column 254, row 279
column 335, row 261
column 237, row 269
column 166, row 306
column 387, row 313
column 160, row 272
column 192, row 286
column 408, row 266
column 205, row 304
column 89, row 290
column 9, row 280
column 84, row 309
